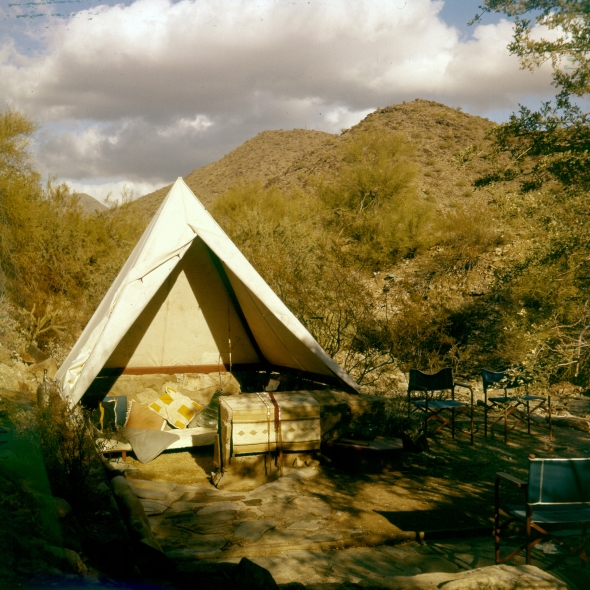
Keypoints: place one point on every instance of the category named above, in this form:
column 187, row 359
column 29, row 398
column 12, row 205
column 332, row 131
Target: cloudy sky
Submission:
column 141, row 92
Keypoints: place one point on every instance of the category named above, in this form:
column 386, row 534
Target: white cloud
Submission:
column 152, row 90
column 113, row 189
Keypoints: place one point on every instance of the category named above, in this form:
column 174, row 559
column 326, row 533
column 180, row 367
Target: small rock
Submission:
column 34, row 355
column 62, row 508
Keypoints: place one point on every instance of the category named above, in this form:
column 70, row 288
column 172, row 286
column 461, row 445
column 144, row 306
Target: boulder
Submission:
column 133, row 512
column 48, row 365
column 571, row 422
column 345, row 414
column 496, row 577
column 34, row 355
column 65, row 559
column 250, row 576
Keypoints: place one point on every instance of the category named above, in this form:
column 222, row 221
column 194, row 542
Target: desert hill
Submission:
column 263, row 158
column 449, row 145
column 89, row 204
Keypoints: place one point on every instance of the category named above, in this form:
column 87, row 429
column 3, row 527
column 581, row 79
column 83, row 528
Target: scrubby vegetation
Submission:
column 56, row 261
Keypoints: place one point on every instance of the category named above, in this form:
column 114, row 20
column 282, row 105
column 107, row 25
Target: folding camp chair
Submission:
column 520, row 407
column 431, row 397
column 557, row 497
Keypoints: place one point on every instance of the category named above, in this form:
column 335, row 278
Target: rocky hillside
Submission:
column 266, row 158
column 449, row 148
column 89, row 204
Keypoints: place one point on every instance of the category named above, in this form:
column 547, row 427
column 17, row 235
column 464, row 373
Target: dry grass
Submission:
column 182, row 467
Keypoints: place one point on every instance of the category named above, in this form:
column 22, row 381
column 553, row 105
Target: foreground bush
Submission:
column 56, row 261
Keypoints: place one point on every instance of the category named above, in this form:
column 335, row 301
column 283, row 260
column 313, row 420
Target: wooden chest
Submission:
column 247, row 423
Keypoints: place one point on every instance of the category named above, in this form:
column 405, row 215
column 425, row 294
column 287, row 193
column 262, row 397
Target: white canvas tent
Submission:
column 188, row 301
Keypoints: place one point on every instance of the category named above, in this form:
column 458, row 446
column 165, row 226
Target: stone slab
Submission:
column 181, row 506
column 497, row 577
column 219, row 507
column 252, row 530
column 313, row 505
column 148, row 484
column 153, row 507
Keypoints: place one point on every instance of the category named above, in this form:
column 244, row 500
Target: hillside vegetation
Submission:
column 399, row 243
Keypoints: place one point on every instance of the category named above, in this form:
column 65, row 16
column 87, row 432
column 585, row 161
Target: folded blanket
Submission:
column 176, row 408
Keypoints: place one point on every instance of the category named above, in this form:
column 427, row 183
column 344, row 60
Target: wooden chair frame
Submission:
column 557, row 495
column 519, row 405
column 427, row 385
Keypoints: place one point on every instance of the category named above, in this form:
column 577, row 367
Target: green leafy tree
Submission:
column 553, row 143
column 564, row 41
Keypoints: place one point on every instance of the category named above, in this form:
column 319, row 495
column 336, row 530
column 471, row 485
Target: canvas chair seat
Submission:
column 439, row 404
column 551, row 513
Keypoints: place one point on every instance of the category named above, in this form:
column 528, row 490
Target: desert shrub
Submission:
column 61, row 433
column 465, row 233
column 422, row 336
column 541, row 296
column 57, row 262
column 282, row 237
column 372, row 202
column 279, row 234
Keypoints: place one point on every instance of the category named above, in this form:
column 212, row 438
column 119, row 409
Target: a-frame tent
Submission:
column 188, row 301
